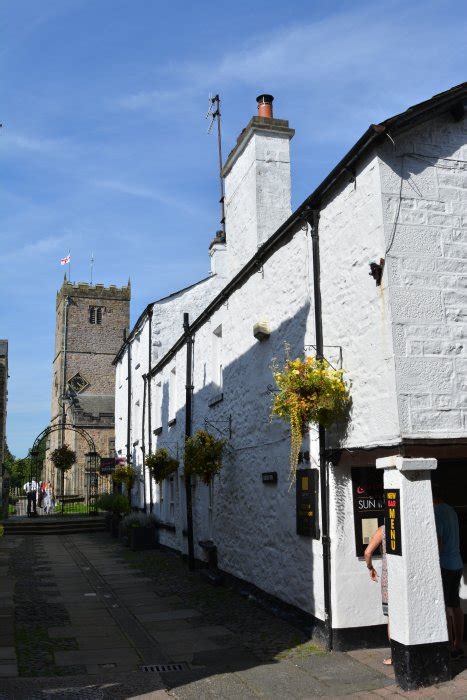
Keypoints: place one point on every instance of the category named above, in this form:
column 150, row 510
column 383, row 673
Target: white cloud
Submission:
column 12, row 141
column 131, row 190
column 335, row 65
column 36, row 248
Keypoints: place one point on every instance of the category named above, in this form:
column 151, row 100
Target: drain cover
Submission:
column 163, row 668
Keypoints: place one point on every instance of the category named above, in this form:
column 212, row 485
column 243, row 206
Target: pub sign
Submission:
column 307, row 503
column 393, row 522
column 107, row 465
column 368, row 505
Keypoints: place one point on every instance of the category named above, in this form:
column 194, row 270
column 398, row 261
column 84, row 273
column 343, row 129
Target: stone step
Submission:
column 55, row 526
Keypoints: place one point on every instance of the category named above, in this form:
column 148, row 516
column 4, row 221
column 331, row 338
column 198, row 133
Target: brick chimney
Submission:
column 257, row 183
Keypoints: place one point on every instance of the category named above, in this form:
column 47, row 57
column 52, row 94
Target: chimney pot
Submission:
column 265, row 106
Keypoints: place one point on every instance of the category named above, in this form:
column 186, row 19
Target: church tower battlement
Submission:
column 90, row 323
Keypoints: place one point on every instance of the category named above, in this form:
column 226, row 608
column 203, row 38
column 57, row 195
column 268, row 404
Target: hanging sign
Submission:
column 393, row 522
column 368, row 505
column 107, row 465
column 307, row 502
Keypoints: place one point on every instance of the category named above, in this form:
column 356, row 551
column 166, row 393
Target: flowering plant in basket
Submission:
column 203, row 455
column 310, row 391
column 161, row 464
column 124, row 474
column 63, row 458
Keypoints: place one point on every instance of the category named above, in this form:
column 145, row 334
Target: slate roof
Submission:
column 95, row 405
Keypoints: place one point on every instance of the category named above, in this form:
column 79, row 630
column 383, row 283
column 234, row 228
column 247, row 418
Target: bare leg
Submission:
column 458, row 625
column 388, row 661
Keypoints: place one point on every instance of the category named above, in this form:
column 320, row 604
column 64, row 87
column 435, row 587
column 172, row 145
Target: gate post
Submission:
column 417, row 615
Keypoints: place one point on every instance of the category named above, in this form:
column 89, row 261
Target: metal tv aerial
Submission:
column 213, row 114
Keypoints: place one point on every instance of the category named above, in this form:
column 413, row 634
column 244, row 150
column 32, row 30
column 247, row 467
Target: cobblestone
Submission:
column 147, row 608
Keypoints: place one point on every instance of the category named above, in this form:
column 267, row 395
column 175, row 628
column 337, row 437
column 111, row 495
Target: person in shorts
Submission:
column 452, row 567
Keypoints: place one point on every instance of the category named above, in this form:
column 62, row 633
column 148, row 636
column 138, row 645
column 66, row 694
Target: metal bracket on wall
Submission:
column 307, row 348
column 223, row 427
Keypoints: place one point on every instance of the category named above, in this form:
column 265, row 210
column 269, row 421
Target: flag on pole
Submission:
column 65, row 260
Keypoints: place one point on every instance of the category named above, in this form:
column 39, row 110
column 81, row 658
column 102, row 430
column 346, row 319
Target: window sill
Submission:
column 158, row 430
column 217, row 398
column 172, row 422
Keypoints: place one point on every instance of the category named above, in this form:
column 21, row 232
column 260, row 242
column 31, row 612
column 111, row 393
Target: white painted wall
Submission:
column 257, row 191
column 253, row 525
column 427, row 275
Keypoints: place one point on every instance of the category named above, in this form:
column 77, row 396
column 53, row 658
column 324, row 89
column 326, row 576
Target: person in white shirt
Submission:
column 30, row 489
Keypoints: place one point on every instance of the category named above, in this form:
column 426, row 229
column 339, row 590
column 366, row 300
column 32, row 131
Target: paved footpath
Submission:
column 83, row 617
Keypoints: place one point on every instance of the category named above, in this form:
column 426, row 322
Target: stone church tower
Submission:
column 90, row 324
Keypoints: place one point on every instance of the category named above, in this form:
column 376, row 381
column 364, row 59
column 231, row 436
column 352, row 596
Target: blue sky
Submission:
column 104, row 147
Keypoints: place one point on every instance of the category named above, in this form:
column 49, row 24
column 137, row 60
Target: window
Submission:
column 171, row 499
column 158, row 406
column 111, row 447
column 210, row 508
column 161, row 500
column 217, row 359
column 172, row 394
column 95, row 315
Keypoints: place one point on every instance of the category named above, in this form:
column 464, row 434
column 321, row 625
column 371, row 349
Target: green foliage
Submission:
column 203, row 455
column 161, row 464
column 124, row 474
column 113, row 503
column 21, row 469
column 63, row 458
column 310, row 391
column 137, row 520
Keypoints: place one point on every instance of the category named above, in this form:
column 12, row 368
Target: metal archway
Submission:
column 84, row 498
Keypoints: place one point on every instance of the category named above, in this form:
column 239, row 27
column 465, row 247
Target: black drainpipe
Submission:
column 188, row 398
column 128, row 424
column 143, row 440
column 151, row 499
column 323, row 467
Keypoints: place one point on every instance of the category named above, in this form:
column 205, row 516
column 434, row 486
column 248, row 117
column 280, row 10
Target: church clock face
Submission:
column 77, row 383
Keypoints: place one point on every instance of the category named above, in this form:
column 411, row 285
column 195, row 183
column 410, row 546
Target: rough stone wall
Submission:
column 167, row 326
column 91, row 349
column 252, row 524
column 424, row 188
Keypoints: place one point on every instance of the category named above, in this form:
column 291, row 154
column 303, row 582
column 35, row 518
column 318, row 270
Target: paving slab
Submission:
column 182, row 614
column 7, row 654
column 110, row 630
column 97, row 656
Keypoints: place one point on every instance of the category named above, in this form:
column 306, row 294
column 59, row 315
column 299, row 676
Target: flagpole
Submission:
column 69, row 266
column 92, row 264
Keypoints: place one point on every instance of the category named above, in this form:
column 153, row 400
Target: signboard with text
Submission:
column 107, row 465
column 393, row 522
column 307, row 502
column 368, row 504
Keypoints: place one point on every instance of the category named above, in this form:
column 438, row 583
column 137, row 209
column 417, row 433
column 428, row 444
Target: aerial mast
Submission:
column 214, row 114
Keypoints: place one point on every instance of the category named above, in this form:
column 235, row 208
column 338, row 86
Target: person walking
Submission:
column 452, row 567
column 30, row 488
column 49, row 500
column 378, row 541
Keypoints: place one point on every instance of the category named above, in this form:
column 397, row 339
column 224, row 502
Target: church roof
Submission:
column 95, row 404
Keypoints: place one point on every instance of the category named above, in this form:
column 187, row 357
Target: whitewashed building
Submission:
column 391, row 221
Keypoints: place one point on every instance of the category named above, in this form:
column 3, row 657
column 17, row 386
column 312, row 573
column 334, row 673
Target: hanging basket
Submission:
column 161, row 464
column 124, row 474
column 310, row 391
column 63, row 458
column 203, row 456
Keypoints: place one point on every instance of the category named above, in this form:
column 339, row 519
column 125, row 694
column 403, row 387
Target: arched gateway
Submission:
column 75, row 491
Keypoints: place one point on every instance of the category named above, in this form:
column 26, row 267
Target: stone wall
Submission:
column 424, row 188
